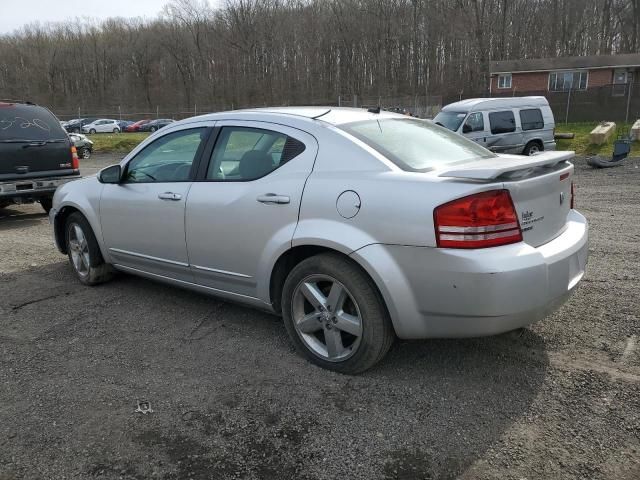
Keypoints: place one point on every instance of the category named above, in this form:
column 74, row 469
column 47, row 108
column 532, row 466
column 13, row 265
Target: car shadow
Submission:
column 233, row 398
column 12, row 217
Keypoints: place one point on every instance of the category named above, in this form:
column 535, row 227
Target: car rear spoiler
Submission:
column 492, row 168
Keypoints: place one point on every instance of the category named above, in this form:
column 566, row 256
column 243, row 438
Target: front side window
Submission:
column 474, row 123
column 504, row 81
column 416, row 145
column 531, row 119
column 167, row 159
column 502, row 122
column 564, row 81
column 450, row 120
column 244, row 153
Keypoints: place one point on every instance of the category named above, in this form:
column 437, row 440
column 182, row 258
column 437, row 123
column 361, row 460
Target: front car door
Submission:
column 142, row 218
column 474, row 128
column 243, row 210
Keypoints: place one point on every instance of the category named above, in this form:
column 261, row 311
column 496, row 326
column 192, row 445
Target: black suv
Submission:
column 36, row 154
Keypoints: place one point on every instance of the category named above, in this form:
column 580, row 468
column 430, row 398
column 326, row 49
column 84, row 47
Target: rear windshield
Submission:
column 28, row 122
column 416, row 145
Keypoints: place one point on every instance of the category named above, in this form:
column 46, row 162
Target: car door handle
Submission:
column 170, row 196
column 273, row 198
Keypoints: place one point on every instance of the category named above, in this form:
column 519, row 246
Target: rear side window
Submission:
column 416, row 145
column 531, row 119
column 244, row 154
column 502, row 122
column 28, row 123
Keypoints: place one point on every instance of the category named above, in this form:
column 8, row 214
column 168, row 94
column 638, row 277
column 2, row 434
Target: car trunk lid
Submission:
column 540, row 187
column 32, row 142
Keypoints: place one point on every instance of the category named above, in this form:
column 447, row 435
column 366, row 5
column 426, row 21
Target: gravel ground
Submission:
column 231, row 399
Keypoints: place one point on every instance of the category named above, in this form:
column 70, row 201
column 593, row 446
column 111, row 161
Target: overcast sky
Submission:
column 16, row 13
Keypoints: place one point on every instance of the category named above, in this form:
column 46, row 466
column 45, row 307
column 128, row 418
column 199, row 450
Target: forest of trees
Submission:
column 279, row 52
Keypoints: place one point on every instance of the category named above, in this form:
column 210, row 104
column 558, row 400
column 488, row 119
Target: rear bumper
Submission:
column 433, row 292
column 33, row 187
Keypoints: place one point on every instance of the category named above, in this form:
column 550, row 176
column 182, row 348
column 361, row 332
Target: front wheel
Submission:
column 85, row 153
column 92, row 131
column 84, row 253
column 335, row 316
column 152, row 129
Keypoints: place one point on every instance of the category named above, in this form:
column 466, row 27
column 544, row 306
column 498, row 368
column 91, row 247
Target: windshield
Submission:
column 450, row 120
column 416, row 145
column 29, row 123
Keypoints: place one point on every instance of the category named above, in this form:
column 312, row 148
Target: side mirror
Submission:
column 466, row 128
column 112, row 174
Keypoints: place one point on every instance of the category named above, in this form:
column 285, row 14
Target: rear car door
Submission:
column 506, row 136
column 143, row 217
column 243, row 210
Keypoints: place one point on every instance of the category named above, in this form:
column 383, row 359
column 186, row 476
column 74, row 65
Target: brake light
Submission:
column 75, row 161
column 486, row 219
column 573, row 195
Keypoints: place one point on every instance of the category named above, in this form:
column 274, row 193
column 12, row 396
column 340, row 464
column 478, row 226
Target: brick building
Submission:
column 562, row 74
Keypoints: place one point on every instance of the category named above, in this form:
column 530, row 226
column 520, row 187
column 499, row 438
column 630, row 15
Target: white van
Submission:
column 507, row 125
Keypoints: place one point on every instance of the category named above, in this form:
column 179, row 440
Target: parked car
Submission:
column 75, row 125
column 83, row 145
column 356, row 227
column 123, row 124
column 155, row 125
column 102, row 126
column 135, row 127
column 36, row 155
column 509, row 125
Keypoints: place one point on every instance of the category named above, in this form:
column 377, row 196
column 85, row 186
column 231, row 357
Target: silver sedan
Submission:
column 357, row 227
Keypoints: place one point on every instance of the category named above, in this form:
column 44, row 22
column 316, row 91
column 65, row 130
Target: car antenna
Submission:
column 321, row 115
column 374, row 109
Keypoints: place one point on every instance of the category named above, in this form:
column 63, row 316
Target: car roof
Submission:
column 293, row 115
column 489, row 103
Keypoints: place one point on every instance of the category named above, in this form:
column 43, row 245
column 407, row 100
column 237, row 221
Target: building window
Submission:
column 563, row 81
column 504, row 81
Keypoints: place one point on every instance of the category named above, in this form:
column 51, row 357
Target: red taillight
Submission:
column 573, row 195
column 486, row 219
column 75, row 162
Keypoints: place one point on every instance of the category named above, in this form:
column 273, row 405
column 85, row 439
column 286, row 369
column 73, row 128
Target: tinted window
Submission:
column 28, row 122
column 167, row 159
column 416, row 145
column 531, row 119
column 502, row 122
column 243, row 153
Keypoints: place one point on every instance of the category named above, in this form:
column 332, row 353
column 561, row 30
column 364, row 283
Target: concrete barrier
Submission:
column 601, row 133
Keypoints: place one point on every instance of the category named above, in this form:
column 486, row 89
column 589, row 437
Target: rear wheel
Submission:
column 335, row 316
column 116, row 130
column 46, row 203
column 84, row 252
column 532, row 148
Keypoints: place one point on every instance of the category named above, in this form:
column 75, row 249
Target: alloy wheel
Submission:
column 327, row 318
column 79, row 249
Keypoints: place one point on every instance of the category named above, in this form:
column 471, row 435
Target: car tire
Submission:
column 76, row 130
column 92, row 131
column 532, row 148
column 357, row 321
column 85, row 153
column 152, row 129
column 84, row 253
column 116, row 130
column 46, row 203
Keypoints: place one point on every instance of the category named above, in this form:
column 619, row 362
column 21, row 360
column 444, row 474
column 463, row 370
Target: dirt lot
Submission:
column 231, row 399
